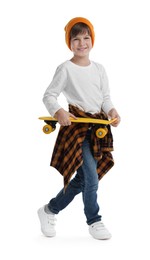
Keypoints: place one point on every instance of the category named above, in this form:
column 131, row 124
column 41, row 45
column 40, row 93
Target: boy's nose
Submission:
column 81, row 42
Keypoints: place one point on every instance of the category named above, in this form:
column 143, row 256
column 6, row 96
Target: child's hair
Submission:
column 79, row 28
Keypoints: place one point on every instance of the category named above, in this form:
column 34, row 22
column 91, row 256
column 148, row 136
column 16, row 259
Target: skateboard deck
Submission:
column 100, row 132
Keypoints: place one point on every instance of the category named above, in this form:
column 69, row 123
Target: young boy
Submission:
column 85, row 86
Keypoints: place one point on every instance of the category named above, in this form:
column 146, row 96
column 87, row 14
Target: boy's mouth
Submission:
column 82, row 49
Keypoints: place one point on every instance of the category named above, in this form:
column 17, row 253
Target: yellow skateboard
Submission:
column 100, row 132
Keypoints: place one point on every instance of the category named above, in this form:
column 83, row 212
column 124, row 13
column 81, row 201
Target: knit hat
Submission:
column 72, row 22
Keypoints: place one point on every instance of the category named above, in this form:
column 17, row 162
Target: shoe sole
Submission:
column 47, row 234
column 104, row 237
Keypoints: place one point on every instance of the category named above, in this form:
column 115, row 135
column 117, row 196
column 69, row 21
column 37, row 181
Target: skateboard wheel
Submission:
column 47, row 129
column 101, row 132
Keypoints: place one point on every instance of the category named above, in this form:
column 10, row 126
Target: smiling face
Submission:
column 81, row 45
column 80, row 40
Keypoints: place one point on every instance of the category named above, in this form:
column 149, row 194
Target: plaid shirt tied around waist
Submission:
column 67, row 153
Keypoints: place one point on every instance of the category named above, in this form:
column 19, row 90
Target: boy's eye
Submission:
column 76, row 39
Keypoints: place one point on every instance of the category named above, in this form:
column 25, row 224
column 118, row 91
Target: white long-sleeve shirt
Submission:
column 85, row 87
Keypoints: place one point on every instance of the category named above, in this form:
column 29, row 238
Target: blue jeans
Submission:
column 85, row 181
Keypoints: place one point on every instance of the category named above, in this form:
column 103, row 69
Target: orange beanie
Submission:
column 72, row 22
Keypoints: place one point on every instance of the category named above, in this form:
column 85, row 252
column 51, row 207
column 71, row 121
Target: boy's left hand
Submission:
column 114, row 114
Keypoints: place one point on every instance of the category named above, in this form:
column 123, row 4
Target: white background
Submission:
column 31, row 47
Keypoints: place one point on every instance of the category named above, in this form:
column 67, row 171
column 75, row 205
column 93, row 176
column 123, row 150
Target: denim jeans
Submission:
column 85, row 181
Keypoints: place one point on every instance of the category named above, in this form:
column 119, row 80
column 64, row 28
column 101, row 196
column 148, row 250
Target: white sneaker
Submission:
column 99, row 231
column 47, row 223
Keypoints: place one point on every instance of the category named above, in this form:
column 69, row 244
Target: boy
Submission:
column 85, row 86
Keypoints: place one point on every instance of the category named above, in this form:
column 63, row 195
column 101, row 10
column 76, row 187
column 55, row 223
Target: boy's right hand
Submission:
column 63, row 117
